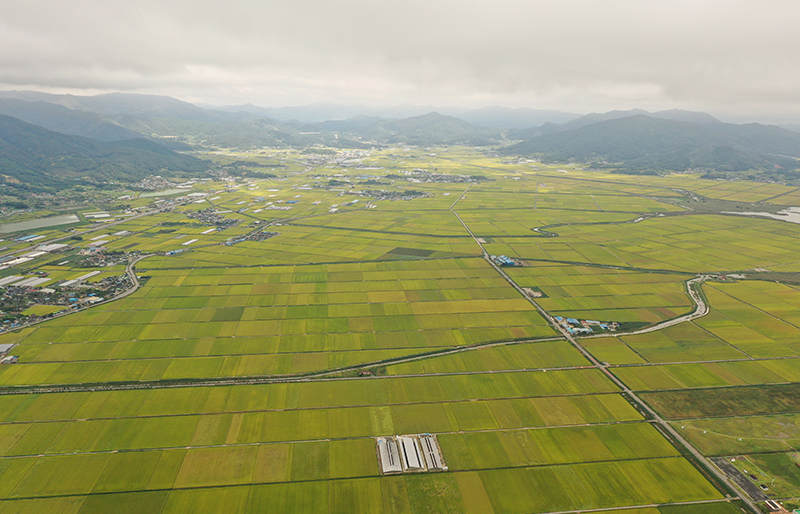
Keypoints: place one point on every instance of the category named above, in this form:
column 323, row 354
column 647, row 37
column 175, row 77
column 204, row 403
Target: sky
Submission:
column 736, row 59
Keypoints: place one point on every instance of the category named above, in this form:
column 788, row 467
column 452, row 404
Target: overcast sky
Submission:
column 727, row 57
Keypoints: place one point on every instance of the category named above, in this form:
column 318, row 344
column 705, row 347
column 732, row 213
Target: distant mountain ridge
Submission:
column 119, row 116
column 111, row 104
column 492, row 117
column 635, row 140
column 519, row 118
column 36, row 159
column 431, row 128
column 642, row 142
column 61, row 119
column 673, row 114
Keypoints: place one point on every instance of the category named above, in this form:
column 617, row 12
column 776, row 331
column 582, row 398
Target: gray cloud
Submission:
column 719, row 55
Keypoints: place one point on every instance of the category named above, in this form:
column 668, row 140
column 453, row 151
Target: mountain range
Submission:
column 34, row 159
column 117, row 130
column 647, row 143
column 492, row 117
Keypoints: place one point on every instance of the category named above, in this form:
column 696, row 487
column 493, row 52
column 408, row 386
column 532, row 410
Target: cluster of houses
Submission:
column 585, row 326
column 504, row 260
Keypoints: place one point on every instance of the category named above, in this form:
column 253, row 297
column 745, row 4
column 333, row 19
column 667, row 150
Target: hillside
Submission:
column 33, row 158
column 67, row 121
column 150, row 106
column 520, row 118
column 118, row 116
column 672, row 114
column 428, row 129
column 642, row 143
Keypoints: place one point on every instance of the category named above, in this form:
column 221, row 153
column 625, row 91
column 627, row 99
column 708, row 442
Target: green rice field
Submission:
column 280, row 325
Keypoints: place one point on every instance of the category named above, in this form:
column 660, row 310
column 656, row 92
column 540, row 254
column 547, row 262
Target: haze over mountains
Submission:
column 494, row 116
column 33, row 159
column 647, row 143
column 69, row 132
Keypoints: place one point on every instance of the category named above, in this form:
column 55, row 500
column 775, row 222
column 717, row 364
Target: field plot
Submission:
column 680, row 376
column 685, row 342
column 735, row 420
column 278, row 320
column 606, row 295
column 740, row 191
column 439, row 223
column 509, row 223
column 702, row 242
column 310, row 244
column 743, row 434
column 521, row 448
column 690, row 243
column 55, row 438
column 733, row 401
column 511, row 400
column 778, row 473
column 482, row 197
column 316, row 394
column 759, row 318
column 791, row 198
column 250, row 453
column 611, row 350
column 393, row 323
column 499, row 490
column 510, row 357
column 747, row 320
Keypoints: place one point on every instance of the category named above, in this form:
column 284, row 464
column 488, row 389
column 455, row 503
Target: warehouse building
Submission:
column 433, row 456
column 409, row 450
column 409, row 454
column 389, row 456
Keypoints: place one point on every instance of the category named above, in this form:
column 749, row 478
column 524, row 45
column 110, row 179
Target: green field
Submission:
column 253, row 375
column 778, row 472
column 745, row 401
column 277, row 320
column 738, row 435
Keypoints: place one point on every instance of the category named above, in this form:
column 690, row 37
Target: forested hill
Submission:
column 36, row 159
column 633, row 141
column 645, row 143
column 428, row 129
column 66, row 121
column 122, row 116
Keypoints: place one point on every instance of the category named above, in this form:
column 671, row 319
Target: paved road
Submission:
column 664, row 425
column 700, row 310
column 131, row 273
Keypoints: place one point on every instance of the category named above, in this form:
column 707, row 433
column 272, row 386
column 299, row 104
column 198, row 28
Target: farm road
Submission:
column 700, row 310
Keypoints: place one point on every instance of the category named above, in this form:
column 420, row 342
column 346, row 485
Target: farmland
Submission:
column 279, row 325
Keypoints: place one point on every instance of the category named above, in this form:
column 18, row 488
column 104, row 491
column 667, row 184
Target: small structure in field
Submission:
column 409, row 454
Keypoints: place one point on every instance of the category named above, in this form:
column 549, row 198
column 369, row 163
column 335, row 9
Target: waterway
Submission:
column 791, row 214
column 34, row 224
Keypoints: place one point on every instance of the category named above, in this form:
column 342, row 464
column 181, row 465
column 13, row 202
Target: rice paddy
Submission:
column 252, row 374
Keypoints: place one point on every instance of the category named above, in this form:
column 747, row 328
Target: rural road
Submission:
column 134, row 279
column 664, row 424
column 700, row 310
